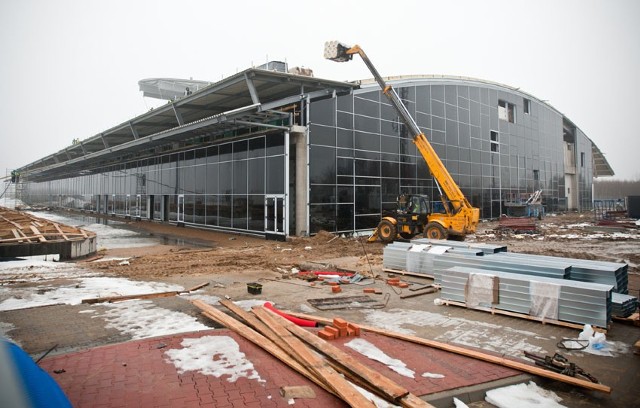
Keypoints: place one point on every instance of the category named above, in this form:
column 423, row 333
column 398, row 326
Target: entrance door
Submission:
column 180, row 214
column 274, row 217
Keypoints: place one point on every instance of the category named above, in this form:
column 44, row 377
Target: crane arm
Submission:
column 339, row 52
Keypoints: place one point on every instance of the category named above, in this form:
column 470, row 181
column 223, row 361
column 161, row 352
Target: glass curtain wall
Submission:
column 361, row 157
column 222, row 185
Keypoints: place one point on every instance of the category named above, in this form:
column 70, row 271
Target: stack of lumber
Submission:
column 21, row 228
column 326, row 365
column 336, row 371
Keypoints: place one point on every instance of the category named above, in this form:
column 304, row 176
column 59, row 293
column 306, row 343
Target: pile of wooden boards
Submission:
column 17, row 227
column 321, row 362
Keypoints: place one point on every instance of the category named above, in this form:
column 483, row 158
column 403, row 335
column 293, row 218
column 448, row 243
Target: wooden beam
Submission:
column 343, row 388
column 257, row 339
column 129, row 297
column 516, row 365
column 350, row 366
column 200, row 286
column 37, row 234
column 255, row 324
column 57, row 227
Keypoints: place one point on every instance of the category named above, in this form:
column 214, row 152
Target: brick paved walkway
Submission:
column 139, row 374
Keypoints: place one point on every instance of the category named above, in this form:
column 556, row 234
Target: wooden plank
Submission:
column 129, row 297
column 200, row 286
column 542, row 320
column 37, row 234
column 17, row 235
column 386, row 387
column 399, row 272
column 256, row 324
column 297, row 391
column 57, row 227
column 419, row 293
column 516, row 365
column 347, row 392
column 259, row 340
column 18, row 226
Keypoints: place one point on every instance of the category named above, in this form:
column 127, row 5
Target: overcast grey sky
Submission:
column 69, row 69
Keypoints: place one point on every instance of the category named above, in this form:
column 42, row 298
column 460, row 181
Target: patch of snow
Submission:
column 432, row 375
column 306, row 308
column 86, row 288
column 523, row 396
column 291, row 401
column 36, row 269
column 142, row 319
column 580, row 225
column 377, row 401
column 369, row 350
column 213, row 355
column 493, row 337
column 249, row 303
column 459, row 404
column 209, row 299
column 87, row 311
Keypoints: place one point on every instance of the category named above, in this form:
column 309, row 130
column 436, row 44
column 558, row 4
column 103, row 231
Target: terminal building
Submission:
column 277, row 152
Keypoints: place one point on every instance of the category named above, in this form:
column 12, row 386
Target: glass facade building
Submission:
column 351, row 161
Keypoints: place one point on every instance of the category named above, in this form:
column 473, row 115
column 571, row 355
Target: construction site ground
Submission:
column 101, row 357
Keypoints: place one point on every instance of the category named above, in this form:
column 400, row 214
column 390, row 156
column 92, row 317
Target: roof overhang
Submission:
column 601, row 167
column 249, row 100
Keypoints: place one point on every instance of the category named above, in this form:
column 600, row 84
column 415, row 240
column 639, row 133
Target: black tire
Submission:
column 387, row 231
column 435, row 231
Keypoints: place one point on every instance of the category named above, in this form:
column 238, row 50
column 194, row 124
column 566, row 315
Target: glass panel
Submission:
column 224, row 210
column 240, row 212
column 275, row 175
column 323, row 112
column 256, row 213
column 322, row 135
column 322, row 167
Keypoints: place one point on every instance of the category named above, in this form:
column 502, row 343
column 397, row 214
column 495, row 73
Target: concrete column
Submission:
column 299, row 138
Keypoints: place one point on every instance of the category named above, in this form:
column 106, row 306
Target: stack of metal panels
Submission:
column 532, row 266
column 418, row 258
column 606, row 273
column 623, row 305
column 486, row 248
column 578, row 302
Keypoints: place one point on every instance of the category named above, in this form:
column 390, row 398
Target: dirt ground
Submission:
column 229, row 261
column 571, row 235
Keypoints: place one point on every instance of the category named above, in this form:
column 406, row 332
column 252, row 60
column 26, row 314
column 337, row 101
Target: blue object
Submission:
column 24, row 384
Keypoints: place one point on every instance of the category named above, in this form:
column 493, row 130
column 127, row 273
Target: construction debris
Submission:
column 314, row 358
column 517, row 365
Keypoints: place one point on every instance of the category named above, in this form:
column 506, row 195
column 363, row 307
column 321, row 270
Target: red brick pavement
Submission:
column 138, row 374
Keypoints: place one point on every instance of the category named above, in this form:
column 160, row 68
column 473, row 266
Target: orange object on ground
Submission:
column 336, row 289
column 325, row 335
column 369, row 290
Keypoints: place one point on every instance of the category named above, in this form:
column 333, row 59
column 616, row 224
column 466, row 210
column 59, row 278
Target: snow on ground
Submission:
column 209, row 299
column 377, row 401
column 213, row 355
column 432, row 375
column 492, row 337
column 374, row 353
column 39, row 268
column 142, row 319
column 249, row 303
column 523, row 396
column 74, row 293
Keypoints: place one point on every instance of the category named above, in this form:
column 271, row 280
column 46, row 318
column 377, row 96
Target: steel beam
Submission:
column 252, row 89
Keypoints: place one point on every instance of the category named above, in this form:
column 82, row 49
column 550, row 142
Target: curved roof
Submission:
column 601, row 167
